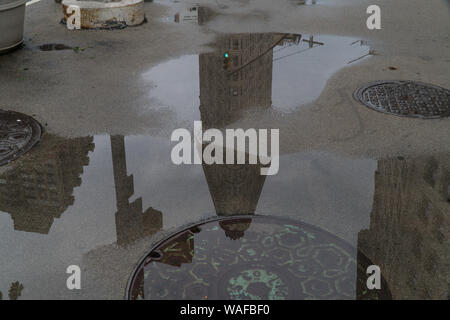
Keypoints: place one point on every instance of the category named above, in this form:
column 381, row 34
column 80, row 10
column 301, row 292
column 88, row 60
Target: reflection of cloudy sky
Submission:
column 300, row 74
column 180, row 192
column 319, row 188
column 322, row 189
column 175, row 85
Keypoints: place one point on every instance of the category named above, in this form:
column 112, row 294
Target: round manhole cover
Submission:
column 253, row 257
column 406, row 98
column 18, row 134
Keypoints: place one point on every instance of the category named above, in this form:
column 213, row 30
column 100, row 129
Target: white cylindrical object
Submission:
column 12, row 16
column 98, row 14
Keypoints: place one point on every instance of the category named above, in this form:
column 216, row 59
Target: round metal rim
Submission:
column 358, row 93
column 11, row 48
column 35, row 138
column 12, row 5
column 216, row 219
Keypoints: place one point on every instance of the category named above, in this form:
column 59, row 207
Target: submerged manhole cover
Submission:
column 406, row 98
column 18, row 134
column 253, row 258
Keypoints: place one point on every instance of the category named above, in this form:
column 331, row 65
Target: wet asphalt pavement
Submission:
column 359, row 187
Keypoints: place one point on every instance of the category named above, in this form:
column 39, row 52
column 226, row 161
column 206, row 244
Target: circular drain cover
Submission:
column 253, row 257
column 405, row 98
column 18, row 134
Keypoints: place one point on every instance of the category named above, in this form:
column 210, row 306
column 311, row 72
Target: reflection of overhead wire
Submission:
column 284, row 47
column 261, row 55
column 289, row 44
column 367, row 54
column 288, row 55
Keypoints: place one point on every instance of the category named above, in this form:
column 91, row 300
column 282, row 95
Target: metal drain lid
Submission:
column 253, row 257
column 18, row 134
column 405, row 98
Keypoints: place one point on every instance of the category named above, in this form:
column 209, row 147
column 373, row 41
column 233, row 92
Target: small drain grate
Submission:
column 18, row 134
column 406, row 98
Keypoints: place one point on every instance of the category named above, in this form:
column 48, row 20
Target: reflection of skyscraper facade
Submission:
column 223, row 95
column 38, row 187
column 235, row 189
column 131, row 222
column 409, row 229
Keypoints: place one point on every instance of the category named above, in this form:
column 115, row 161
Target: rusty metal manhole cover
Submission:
column 405, row 98
column 252, row 258
column 18, row 134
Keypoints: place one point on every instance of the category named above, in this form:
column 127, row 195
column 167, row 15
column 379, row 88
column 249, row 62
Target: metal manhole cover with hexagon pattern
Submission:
column 405, row 98
column 18, row 134
column 253, row 257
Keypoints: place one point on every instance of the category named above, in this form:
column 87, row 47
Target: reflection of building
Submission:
column 248, row 84
column 195, row 14
column 235, row 189
column 38, row 187
column 224, row 95
column 181, row 250
column 133, row 225
column 131, row 222
column 409, row 229
column 235, row 229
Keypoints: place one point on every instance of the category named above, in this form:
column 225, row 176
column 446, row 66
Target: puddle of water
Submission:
column 307, row 2
column 195, row 13
column 301, row 72
column 283, row 71
column 54, row 46
column 37, row 189
column 70, row 198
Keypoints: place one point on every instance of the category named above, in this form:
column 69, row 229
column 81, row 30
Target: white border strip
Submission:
column 32, row 1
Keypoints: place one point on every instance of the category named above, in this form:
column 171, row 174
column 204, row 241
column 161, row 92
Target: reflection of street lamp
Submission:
column 226, row 61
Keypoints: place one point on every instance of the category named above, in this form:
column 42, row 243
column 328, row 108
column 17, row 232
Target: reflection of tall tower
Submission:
column 131, row 223
column 235, row 189
column 224, row 95
column 38, row 187
column 409, row 229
